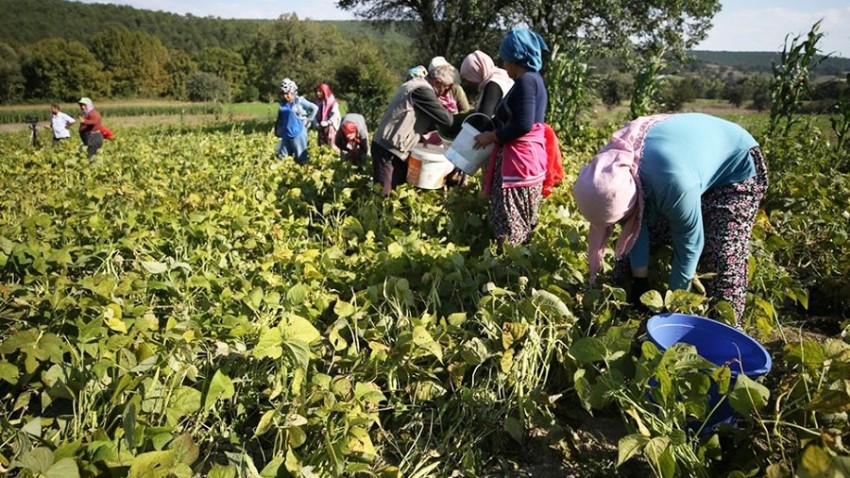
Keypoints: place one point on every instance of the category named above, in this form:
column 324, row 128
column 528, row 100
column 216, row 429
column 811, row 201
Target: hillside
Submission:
column 761, row 61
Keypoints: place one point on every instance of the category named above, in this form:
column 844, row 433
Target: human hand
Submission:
column 485, row 139
column 324, row 124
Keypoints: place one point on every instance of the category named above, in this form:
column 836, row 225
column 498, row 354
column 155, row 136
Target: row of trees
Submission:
column 121, row 63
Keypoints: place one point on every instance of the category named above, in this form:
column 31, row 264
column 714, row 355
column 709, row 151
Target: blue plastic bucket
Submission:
column 718, row 343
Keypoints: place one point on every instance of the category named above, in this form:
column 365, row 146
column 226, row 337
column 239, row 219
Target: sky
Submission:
column 741, row 25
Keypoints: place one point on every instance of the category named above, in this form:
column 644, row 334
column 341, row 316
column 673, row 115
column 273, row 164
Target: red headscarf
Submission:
column 348, row 128
column 327, row 103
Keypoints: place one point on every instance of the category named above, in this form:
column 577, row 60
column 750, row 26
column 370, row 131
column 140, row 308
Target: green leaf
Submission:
column 395, row 250
column 588, row 349
column 129, row 424
column 38, row 460
column 9, row 372
column 184, row 401
column 629, row 446
column 152, row 464
column 64, row 468
column 112, row 317
column 358, row 442
column 154, row 267
column 60, row 256
column 422, row 338
column 551, row 303
column 269, row 344
column 221, row 387
column 748, row 395
column 255, row 298
column 815, row 463
column 515, row 429
column 297, row 294
column 344, row 309
column 298, row 328
column 265, row 422
column 222, row 471
column 652, row 299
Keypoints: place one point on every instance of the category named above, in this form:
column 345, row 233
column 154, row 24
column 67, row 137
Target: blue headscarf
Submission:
column 525, row 47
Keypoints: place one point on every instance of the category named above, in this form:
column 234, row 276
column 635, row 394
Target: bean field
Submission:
column 183, row 304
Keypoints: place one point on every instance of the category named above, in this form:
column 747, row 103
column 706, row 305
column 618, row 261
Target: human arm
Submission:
column 425, row 100
column 687, row 236
column 490, row 98
column 310, row 108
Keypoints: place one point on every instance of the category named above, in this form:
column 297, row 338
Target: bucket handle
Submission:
column 490, row 121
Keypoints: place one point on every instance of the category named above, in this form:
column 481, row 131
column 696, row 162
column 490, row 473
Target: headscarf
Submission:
column 288, row 86
column 88, row 105
column 417, row 71
column 326, row 104
column 525, row 47
column 608, row 189
column 479, row 68
column 437, row 61
column 348, row 128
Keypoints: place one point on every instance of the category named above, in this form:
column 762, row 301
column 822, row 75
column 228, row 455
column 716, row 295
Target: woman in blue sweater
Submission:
column 517, row 169
column 692, row 180
column 289, row 126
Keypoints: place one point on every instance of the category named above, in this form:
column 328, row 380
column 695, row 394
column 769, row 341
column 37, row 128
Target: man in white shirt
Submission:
column 59, row 123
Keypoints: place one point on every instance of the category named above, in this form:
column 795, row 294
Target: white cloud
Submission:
column 765, row 29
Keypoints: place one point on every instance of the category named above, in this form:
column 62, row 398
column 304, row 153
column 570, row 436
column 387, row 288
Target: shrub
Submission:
column 203, row 86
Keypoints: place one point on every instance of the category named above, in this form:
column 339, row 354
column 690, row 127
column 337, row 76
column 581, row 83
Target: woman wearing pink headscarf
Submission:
column 493, row 83
column 690, row 180
column 327, row 120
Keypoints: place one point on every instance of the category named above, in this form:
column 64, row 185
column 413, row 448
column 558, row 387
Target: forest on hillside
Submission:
column 57, row 50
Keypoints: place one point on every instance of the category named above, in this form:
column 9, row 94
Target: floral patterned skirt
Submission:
column 514, row 212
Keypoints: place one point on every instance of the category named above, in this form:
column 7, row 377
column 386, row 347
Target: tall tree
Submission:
column 134, row 61
column 456, row 27
column 11, row 78
column 58, row 69
column 622, row 27
column 451, row 28
column 179, row 68
column 225, row 64
column 305, row 51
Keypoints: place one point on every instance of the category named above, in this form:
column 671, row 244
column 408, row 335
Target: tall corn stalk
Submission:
column 647, row 83
column 790, row 82
column 568, row 91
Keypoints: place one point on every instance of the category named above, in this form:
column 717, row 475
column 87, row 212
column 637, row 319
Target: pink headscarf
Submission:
column 608, row 189
column 479, row 68
column 327, row 103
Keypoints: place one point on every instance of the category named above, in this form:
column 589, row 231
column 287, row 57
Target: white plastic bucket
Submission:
column 463, row 153
column 427, row 167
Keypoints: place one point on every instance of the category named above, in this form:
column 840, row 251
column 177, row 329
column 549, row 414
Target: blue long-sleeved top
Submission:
column 683, row 157
column 292, row 116
column 524, row 105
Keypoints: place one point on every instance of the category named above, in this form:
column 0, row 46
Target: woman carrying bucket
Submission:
column 517, row 169
column 412, row 112
column 692, row 180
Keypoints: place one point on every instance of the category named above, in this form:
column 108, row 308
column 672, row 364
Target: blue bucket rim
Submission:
column 659, row 320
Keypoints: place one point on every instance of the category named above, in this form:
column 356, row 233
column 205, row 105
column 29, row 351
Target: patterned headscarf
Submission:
column 525, row 47
column 288, row 86
column 417, row 71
